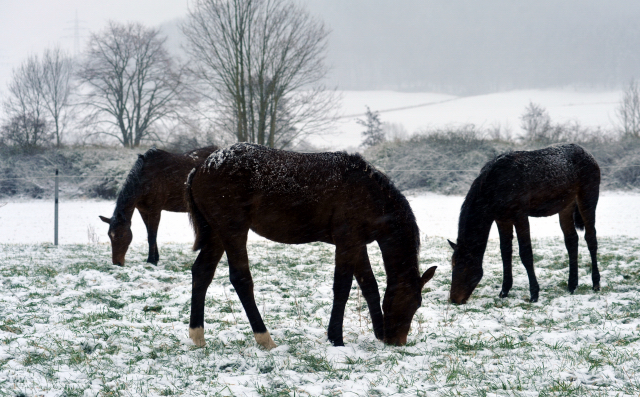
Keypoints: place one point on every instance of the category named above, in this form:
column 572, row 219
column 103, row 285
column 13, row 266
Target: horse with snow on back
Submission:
column 156, row 182
column 560, row 179
column 296, row 198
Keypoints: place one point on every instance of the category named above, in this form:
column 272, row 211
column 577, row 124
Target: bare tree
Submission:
column 260, row 63
column 56, row 88
column 131, row 81
column 25, row 108
column 629, row 110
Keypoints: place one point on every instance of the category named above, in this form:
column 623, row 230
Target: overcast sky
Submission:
column 30, row 26
column 455, row 47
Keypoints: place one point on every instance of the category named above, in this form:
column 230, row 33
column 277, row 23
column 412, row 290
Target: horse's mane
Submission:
column 475, row 193
column 132, row 186
column 398, row 205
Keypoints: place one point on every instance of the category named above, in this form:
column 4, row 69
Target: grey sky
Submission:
column 457, row 47
column 29, row 26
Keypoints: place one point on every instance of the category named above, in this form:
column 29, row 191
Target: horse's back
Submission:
column 541, row 182
column 164, row 175
column 284, row 196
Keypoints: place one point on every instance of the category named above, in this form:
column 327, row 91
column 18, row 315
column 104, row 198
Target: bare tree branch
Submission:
column 132, row 82
column 263, row 60
column 25, row 105
column 56, row 86
column 629, row 111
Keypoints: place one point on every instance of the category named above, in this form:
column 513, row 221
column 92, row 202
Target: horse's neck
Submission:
column 126, row 209
column 474, row 227
column 400, row 259
column 126, row 204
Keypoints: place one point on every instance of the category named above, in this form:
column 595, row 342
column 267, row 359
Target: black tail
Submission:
column 200, row 225
column 577, row 218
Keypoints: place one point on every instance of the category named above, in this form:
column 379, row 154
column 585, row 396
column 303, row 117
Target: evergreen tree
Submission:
column 373, row 133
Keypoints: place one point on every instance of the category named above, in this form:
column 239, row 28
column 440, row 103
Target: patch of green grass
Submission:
column 468, row 343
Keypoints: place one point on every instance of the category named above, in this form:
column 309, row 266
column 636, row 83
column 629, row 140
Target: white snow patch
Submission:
column 618, row 213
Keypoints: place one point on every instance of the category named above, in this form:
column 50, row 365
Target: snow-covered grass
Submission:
column 72, row 324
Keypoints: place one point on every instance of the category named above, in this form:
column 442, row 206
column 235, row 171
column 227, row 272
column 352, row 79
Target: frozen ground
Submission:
column 32, row 221
column 73, row 325
column 416, row 111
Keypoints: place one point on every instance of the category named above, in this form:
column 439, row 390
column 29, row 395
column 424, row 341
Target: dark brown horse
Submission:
column 560, row 179
column 297, row 198
column 155, row 183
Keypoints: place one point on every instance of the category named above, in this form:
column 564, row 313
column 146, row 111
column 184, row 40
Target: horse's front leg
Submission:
column 506, row 250
column 151, row 221
column 241, row 279
column 369, row 286
column 346, row 258
column 201, row 275
column 526, row 255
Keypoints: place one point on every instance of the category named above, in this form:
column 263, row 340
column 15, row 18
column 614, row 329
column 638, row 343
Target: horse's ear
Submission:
column 453, row 245
column 428, row 275
column 105, row 219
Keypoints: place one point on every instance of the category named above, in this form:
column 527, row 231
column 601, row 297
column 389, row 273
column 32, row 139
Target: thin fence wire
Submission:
column 59, row 176
column 391, row 170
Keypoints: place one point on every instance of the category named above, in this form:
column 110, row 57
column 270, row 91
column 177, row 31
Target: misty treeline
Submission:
column 252, row 72
column 447, row 160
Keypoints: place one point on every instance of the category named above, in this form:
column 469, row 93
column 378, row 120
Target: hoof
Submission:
column 533, row 299
column 503, row 294
column 197, row 336
column 596, row 287
column 338, row 342
column 264, row 340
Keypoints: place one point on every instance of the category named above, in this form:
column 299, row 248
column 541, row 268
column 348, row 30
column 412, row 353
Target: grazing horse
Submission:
column 560, row 179
column 155, row 183
column 297, row 198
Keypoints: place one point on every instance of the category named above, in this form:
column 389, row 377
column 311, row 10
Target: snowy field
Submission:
column 418, row 111
column 73, row 325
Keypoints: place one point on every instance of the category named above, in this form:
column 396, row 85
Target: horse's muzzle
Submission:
column 396, row 341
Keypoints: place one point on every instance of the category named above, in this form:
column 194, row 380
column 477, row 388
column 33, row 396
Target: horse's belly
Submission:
column 547, row 206
column 293, row 224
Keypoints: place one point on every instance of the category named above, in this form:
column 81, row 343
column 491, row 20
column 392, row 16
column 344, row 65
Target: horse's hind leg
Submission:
column 571, row 242
column 241, row 279
column 587, row 208
column 346, row 258
column 506, row 250
column 369, row 286
column 201, row 275
column 526, row 255
column 151, row 221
